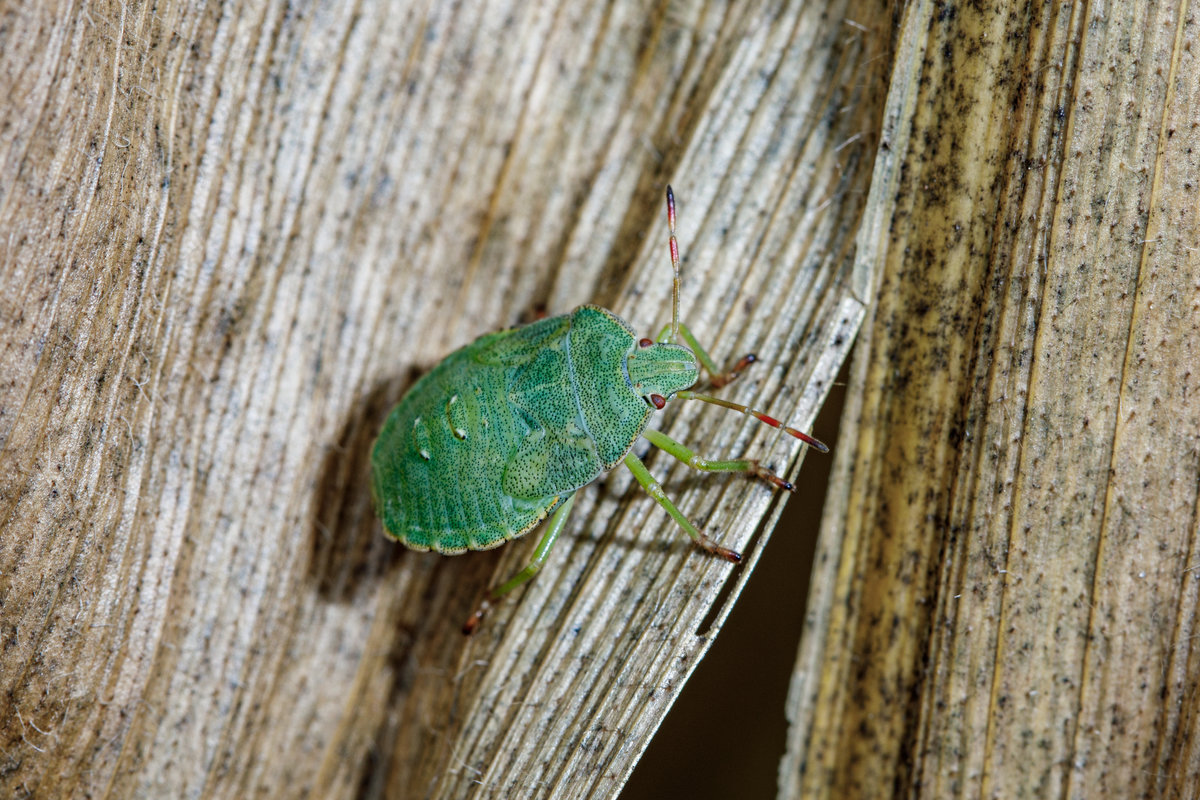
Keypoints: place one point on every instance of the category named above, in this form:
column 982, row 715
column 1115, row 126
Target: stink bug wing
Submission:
column 517, row 346
column 614, row 415
column 548, row 463
column 556, row 455
column 574, row 397
column 541, row 392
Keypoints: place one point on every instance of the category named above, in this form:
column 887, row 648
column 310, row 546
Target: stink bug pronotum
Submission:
column 505, row 430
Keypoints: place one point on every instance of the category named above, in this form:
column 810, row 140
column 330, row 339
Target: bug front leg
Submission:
column 652, row 488
column 689, row 457
column 557, row 522
column 716, row 378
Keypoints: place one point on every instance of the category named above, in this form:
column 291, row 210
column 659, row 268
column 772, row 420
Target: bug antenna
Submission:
column 758, row 415
column 674, row 266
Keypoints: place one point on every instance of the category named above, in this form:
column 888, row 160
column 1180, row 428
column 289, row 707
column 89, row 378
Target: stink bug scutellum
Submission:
column 508, row 428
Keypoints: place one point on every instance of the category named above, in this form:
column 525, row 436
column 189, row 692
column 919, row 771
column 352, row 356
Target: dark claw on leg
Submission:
column 771, row 477
column 472, row 624
column 726, row 378
column 717, row 550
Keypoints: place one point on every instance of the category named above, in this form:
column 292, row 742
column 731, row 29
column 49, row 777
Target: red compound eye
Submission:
column 645, row 343
column 659, row 401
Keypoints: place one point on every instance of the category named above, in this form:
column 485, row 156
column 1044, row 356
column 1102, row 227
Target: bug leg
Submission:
column 716, row 378
column 652, row 488
column 557, row 522
column 689, row 457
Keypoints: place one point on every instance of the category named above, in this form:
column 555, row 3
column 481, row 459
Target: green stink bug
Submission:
column 507, row 429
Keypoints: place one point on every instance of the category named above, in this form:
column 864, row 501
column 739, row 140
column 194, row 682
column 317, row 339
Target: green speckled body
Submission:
column 483, row 447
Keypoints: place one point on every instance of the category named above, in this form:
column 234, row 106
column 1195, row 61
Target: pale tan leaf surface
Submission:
column 232, row 235
column 1006, row 600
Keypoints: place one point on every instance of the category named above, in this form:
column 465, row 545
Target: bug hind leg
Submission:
column 557, row 522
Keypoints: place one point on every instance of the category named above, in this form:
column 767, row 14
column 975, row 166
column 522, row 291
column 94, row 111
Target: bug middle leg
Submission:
column 653, row 489
column 558, row 521
column 716, row 378
column 689, row 457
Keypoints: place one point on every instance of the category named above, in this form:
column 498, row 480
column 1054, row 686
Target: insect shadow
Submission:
column 347, row 548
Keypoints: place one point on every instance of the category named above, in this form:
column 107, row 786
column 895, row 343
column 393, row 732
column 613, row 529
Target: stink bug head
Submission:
column 659, row 368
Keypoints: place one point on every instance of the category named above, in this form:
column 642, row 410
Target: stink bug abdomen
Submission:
column 431, row 480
